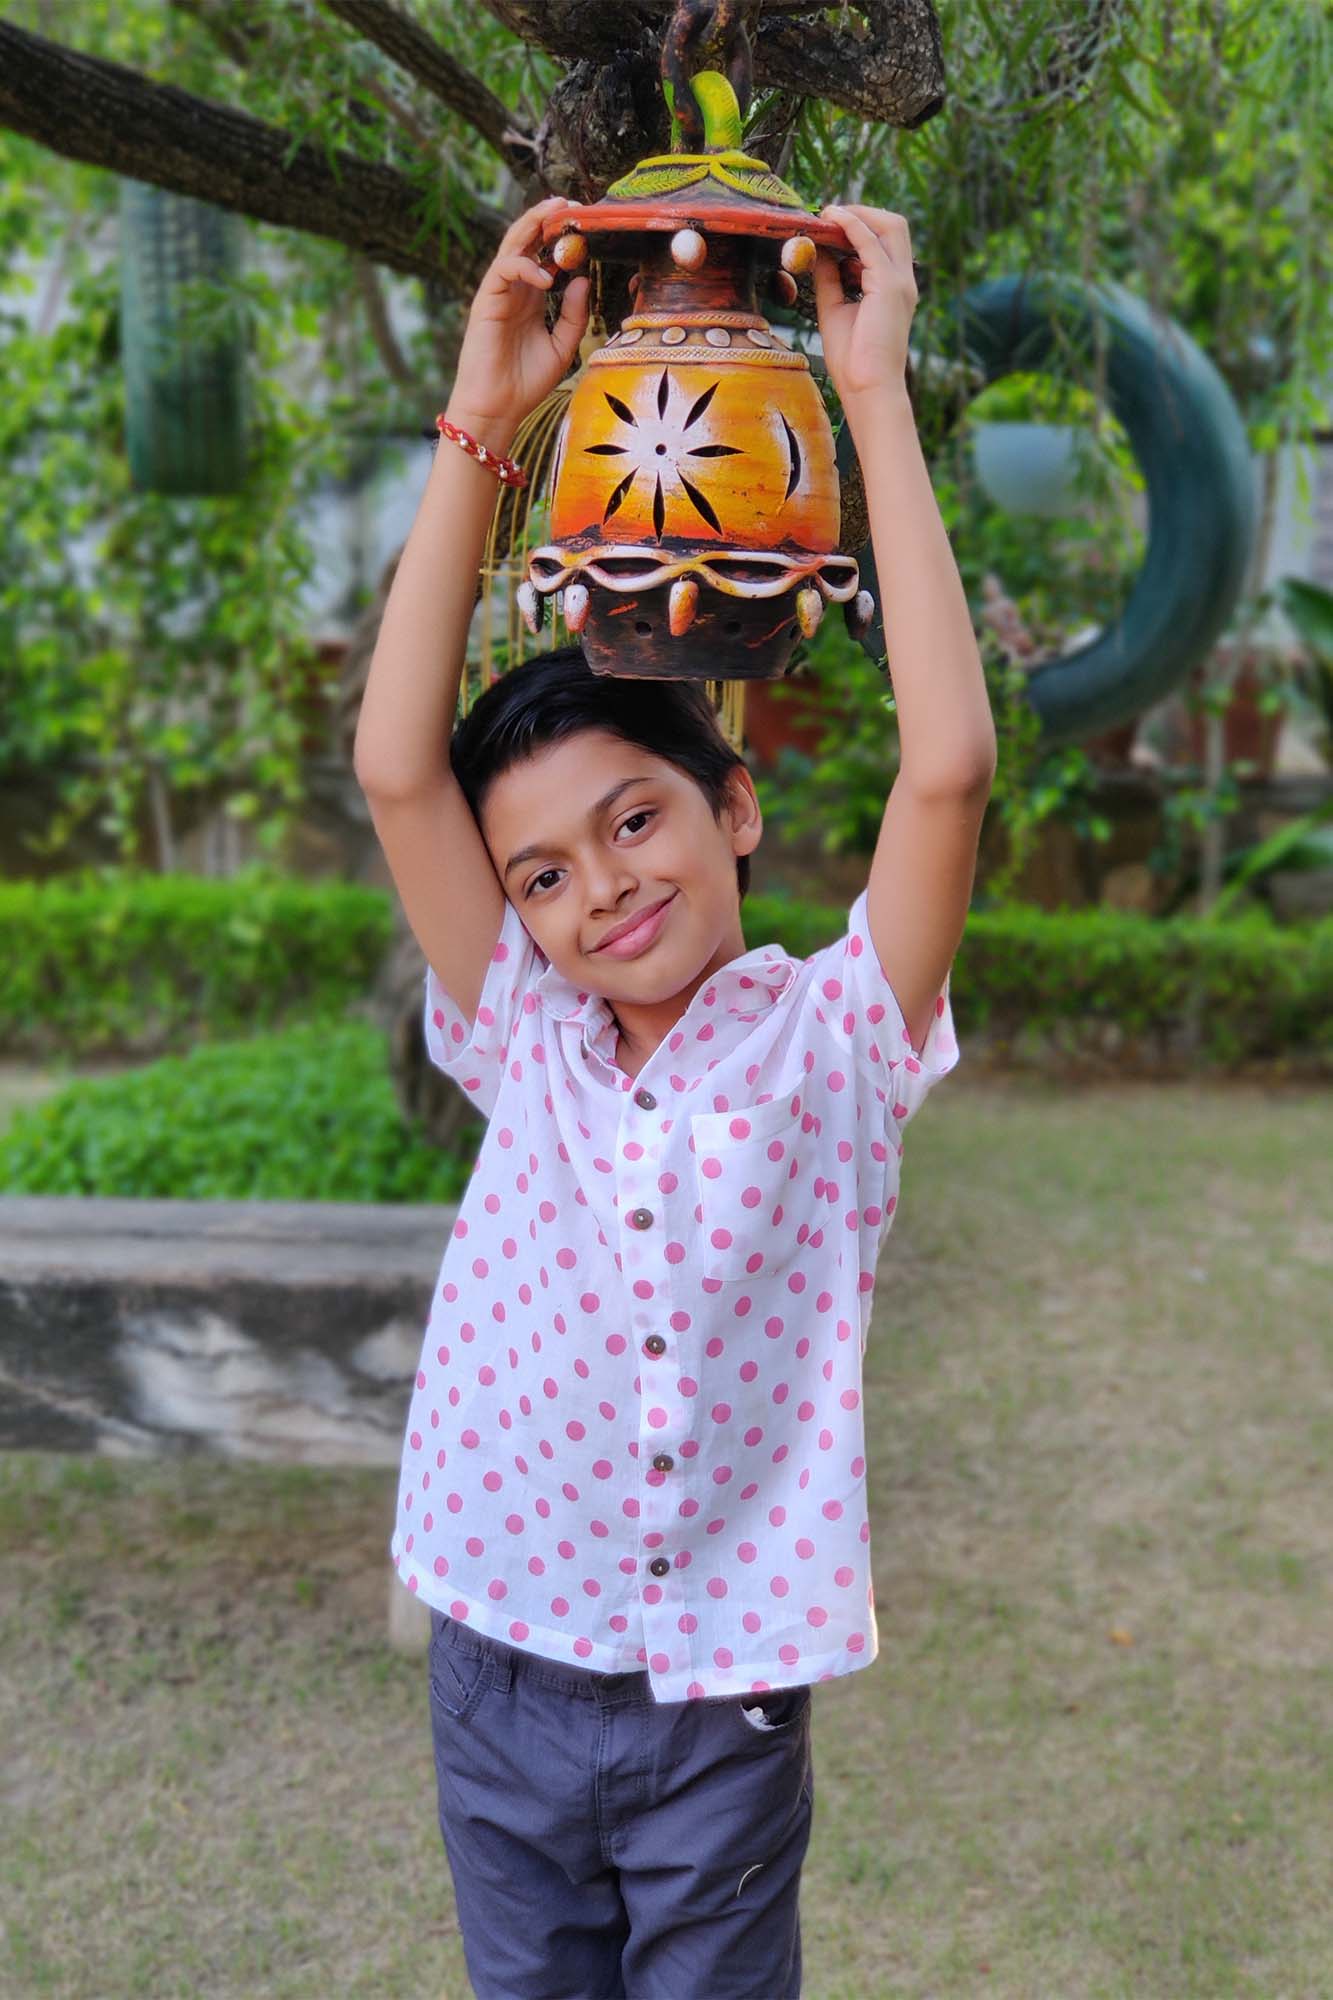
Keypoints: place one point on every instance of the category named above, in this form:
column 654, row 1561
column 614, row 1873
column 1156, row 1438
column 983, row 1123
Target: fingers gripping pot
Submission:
column 695, row 506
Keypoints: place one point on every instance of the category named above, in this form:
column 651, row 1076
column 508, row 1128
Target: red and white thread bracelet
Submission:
column 507, row 470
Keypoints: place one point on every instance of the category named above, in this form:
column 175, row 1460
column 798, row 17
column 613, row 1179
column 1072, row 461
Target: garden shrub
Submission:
column 1098, row 981
column 107, row 959
column 308, row 1114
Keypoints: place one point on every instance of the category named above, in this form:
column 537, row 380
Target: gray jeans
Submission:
column 605, row 1846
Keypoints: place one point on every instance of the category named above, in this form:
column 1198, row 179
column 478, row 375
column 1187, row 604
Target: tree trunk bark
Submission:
column 888, row 68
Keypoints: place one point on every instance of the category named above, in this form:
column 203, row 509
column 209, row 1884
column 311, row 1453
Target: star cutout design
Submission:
column 666, row 440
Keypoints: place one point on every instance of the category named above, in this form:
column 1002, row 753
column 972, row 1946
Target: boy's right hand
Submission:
column 508, row 360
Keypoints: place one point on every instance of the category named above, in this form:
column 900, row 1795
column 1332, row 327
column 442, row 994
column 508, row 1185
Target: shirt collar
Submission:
column 749, row 984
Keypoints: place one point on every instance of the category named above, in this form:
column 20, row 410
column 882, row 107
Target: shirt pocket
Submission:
column 756, row 1210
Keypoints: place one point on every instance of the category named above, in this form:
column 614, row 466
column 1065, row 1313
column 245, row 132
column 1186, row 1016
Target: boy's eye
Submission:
column 644, row 812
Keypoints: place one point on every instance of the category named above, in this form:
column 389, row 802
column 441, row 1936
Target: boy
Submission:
column 633, row 1480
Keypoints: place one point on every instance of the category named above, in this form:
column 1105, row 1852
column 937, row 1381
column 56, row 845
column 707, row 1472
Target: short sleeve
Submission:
column 861, row 1011
column 473, row 1052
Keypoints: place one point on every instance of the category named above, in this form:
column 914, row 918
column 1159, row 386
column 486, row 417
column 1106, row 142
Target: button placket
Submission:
column 656, row 1509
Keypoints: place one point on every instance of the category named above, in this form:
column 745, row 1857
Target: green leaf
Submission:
column 1310, row 608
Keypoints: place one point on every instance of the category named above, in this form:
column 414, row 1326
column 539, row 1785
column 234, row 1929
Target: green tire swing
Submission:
column 184, row 387
column 1190, row 444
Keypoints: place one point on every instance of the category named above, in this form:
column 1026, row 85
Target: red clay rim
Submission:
column 733, row 217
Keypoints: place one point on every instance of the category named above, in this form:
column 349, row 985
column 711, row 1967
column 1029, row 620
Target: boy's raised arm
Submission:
column 439, row 861
column 944, row 719
column 925, row 858
column 411, row 697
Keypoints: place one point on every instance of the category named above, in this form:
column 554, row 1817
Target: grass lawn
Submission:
column 1095, row 1754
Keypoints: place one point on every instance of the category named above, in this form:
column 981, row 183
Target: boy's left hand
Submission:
column 865, row 340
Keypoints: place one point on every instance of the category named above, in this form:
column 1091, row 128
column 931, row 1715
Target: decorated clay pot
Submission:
column 694, row 498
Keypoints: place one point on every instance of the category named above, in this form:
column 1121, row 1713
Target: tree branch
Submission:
column 891, row 73
column 238, row 40
column 403, row 116
column 246, row 46
column 889, row 68
column 435, row 69
column 381, row 326
column 88, row 109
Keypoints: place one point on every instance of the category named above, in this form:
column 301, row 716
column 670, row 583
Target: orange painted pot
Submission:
column 695, row 507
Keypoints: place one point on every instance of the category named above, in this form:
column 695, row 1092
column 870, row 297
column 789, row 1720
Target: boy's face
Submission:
column 598, row 863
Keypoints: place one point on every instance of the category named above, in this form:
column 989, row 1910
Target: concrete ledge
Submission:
column 265, row 1330
column 298, row 1241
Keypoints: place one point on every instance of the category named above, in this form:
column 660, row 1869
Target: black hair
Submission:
column 554, row 695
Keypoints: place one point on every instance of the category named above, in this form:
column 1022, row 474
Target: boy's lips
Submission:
column 638, row 929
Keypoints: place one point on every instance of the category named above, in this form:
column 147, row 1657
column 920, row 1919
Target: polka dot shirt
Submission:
column 636, row 1436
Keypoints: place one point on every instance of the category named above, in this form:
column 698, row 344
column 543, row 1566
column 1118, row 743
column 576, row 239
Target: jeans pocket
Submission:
column 459, row 1674
column 774, row 1712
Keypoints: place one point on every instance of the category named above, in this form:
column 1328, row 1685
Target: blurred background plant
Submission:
column 153, row 649
column 1181, row 151
column 1038, row 585
column 1309, row 609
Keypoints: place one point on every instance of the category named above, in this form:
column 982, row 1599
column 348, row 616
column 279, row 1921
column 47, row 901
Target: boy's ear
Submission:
column 747, row 820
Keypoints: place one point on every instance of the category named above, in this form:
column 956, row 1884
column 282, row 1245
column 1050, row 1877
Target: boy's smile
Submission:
column 592, row 833
column 628, row 938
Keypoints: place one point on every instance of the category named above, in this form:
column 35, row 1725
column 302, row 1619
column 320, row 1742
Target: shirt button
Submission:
column 654, row 1344
column 642, row 1218
column 659, row 1565
column 645, row 1100
column 663, row 1462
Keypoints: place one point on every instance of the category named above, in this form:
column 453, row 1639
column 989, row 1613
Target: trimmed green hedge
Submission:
column 1099, row 981
column 110, row 960
column 1106, row 980
column 305, row 1115
column 138, row 964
